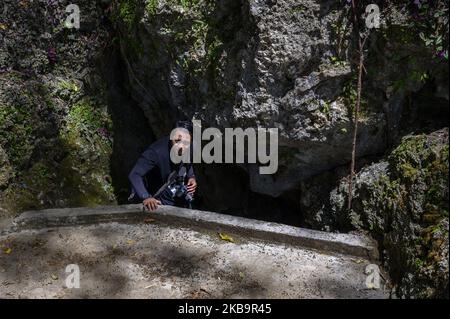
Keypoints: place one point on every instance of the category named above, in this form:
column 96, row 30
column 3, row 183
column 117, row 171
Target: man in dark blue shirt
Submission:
column 155, row 166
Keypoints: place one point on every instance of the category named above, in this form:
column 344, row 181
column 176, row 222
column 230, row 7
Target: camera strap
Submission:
column 181, row 169
column 170, row 179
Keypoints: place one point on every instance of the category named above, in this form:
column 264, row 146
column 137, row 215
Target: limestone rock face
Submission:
column 55, row 129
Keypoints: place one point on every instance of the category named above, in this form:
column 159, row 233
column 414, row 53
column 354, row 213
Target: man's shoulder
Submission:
column 160, row 145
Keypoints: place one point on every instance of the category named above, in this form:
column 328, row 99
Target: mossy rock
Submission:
column 6, row 171
column 73, row 168
column 404, row 205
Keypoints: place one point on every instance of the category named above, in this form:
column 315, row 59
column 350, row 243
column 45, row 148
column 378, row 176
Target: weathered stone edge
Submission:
column 338, row 243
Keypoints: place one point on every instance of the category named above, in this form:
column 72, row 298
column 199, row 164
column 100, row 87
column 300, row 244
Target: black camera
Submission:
column 178, row 189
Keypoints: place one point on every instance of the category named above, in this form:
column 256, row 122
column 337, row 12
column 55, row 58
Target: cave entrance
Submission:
column 222, row 188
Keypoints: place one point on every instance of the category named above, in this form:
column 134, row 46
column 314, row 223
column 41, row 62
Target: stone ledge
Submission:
column 273, row 232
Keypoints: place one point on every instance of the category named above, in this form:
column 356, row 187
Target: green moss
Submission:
column 15, row 134
column 84, row 171
column 297, row 9
column 350, row 95
column 334, row 60
column 325, row 108
column 408, row 171
column 85, row 184
column 151, row 6
column 406, row 158
column 199, row 30
column 418, row 263
column 27, row 192
column 214, row 49
column 81, row 178
column 21, row 108
column 86, row 112
column 408, row 208
column 71, row 183
column 67, row 85
column 127, row 12
column 186, row 4
column 419, row 159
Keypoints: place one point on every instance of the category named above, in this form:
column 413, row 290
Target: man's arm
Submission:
column 144, row 164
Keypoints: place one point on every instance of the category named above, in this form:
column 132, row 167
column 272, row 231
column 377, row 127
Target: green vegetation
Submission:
column 186, row 3
column 416, row 73
column 420, row 161
column 67, row 85
column 127, row 12
column 21, row 108
column 55, row 136
column 66, row 170
column 152, row 6
column 326, row 108
column 336, row 61
column 298, row 9
column 85, row 114
column 350, row 94
column 197, row 35
column 16, row 130
column 432, row 25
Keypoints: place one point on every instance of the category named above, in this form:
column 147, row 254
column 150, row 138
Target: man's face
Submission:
column 181, row 141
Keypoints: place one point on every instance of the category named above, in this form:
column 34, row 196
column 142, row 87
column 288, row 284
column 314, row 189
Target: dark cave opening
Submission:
column 222, row 188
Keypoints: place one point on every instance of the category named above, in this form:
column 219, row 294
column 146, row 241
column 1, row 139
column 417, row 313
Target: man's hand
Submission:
column 191, row 186
column 151, row 203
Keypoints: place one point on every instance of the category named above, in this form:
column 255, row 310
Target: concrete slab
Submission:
column 154, row 260
column 271, row 232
